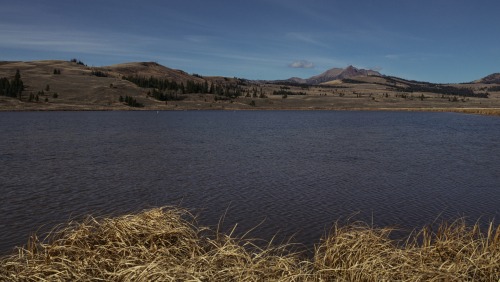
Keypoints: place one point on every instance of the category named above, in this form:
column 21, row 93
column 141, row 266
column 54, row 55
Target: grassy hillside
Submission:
column 75, row 86
column 66, row 85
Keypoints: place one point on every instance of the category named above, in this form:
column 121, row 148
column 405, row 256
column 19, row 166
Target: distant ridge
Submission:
column 148, row 69
column 335, row 74
column 490, row 79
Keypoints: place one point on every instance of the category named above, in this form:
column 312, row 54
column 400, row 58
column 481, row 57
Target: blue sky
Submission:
column 430, row 40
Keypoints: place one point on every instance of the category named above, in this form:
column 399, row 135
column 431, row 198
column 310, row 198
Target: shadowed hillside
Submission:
column 491, row 79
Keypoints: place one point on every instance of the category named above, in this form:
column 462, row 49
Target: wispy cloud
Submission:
column 392, row 56
column 114, row 46
column 417, row 56
column 61, row 40
column 302, row 64
column 198, row 38
column 305, row 38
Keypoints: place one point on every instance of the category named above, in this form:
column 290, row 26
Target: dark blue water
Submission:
column 299, row 171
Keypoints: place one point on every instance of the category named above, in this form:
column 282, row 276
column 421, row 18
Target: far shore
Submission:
column 78, row 108
column 70, row 86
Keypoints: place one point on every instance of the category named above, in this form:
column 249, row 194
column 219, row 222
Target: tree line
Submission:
column 287, row 92
column 164, row 96
column 162, row 84
column 78, row 62
column 443, row 89
column 415, row 86
column 12, row 88
column 130, row 101
column 164, row 89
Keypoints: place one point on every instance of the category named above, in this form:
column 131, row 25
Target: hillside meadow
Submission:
column 73, row 86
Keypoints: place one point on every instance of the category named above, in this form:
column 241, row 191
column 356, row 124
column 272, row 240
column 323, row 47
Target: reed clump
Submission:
column 166, row 244
column 454, row 252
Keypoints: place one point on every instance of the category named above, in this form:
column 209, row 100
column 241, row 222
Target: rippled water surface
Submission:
column 297, row 171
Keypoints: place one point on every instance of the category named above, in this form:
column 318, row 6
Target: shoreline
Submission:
column 476, row 111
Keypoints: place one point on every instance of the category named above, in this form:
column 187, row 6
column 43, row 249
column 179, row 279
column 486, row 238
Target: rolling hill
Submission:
column 71, row 85
column 490, row 79
column 149, row 69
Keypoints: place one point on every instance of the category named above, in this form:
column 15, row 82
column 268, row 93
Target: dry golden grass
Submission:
column 78, row 90
column 156, row 245
column 454, row 252
column 165, row 244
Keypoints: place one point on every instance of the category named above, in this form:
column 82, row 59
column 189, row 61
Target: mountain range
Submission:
column 335, row 74
column 352, row 72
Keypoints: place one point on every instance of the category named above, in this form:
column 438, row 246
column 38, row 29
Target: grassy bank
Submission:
column 166, row 244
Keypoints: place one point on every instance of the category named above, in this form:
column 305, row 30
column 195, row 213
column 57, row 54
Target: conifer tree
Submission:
column 212, row 89
column 12, row 88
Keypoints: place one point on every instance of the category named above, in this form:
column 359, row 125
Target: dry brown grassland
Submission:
column 166, row 244
column 75, row 88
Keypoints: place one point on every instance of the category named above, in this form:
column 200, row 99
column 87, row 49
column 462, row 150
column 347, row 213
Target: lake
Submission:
column 292, row 172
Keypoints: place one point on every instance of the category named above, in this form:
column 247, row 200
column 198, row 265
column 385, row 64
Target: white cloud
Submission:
column 302, row 64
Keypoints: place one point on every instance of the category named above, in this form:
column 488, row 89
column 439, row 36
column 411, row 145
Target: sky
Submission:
column 442, row 41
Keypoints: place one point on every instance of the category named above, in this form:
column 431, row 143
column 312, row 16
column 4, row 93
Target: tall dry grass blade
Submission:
column 166, row 244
